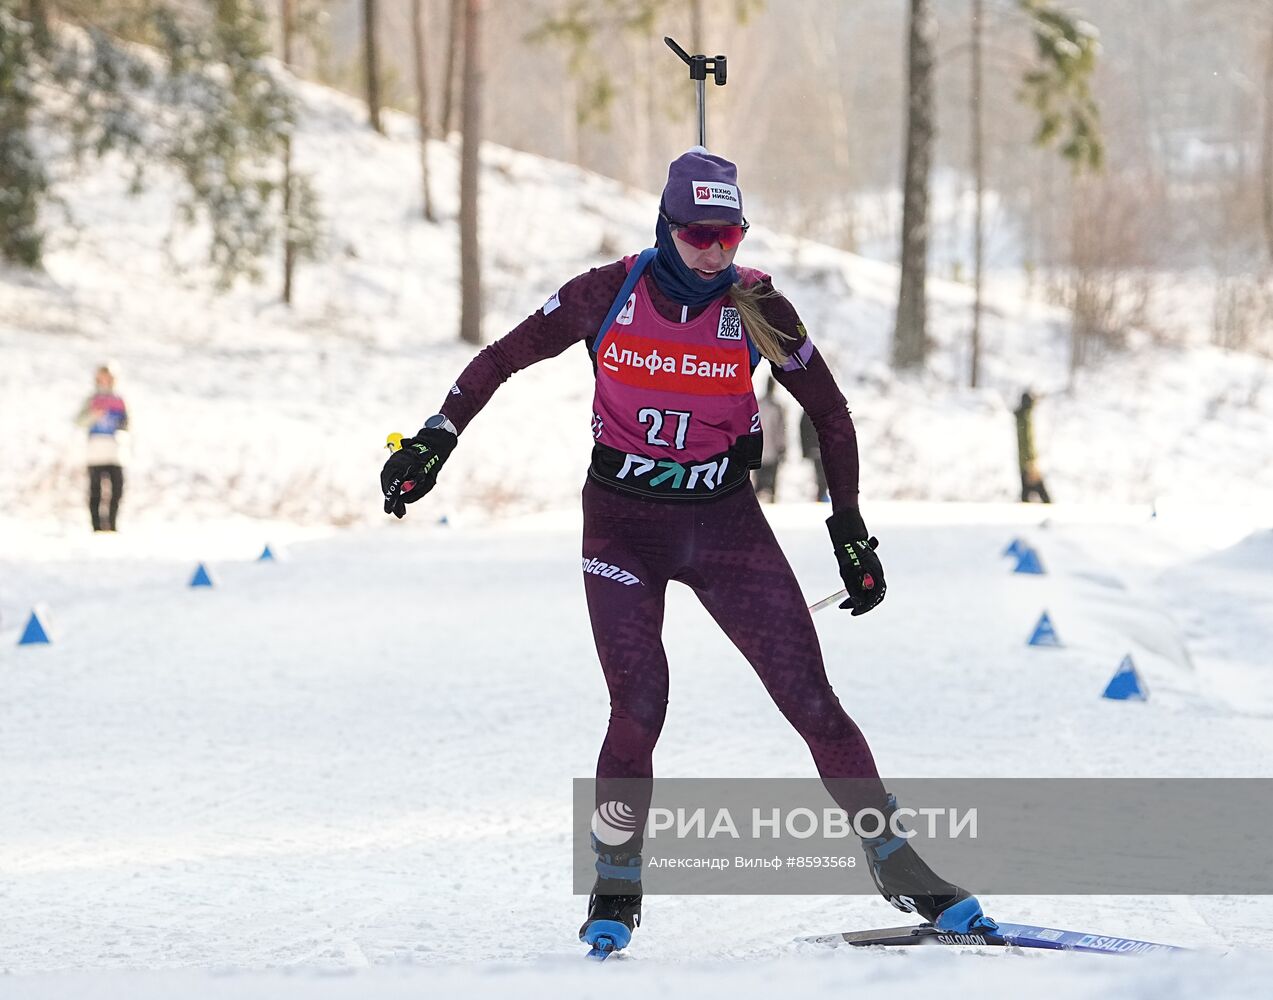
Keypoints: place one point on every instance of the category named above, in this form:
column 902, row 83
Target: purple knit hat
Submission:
column 702, row 186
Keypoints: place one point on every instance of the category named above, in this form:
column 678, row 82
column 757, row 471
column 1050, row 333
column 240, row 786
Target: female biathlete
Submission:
column 675, row 334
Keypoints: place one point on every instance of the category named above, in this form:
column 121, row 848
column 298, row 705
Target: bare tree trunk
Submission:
column 454, row 40
column 639, row 138
column 570, row 119
column 1082, row 277
column 979, row 179
column 647, row 97
column 910, row 342
column 471, row 125
column 371, row 60
column 38, row 13
column 1266, row 166
column 422, row 101
column 823, row 50
column 697, row 42
column 289, row 244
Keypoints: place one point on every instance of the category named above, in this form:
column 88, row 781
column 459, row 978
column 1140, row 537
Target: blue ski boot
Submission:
column 910, row 885
column 614, row 908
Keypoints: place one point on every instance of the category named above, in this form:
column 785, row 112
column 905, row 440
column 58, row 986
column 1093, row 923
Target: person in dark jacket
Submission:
column 1028, row 459
column 811, row 448
column 774, row 421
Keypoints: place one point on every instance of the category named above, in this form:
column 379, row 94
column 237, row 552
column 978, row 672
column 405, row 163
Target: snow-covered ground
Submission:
column 359, row 757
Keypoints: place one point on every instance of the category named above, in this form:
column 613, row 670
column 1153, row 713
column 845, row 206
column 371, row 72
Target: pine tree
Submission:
column 1059, row 86
column 202, row 99
column 454, row 41
column 230, row 146
column 910, row 335
column 1266, row 145
column 23, row 181
column 301, row 216
column 371, row 63
column 471, row 123
column 287, row 25
column 979, row 184
column 423, row 120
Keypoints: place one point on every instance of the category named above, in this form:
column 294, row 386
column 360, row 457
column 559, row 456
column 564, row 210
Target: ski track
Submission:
column 357, row 759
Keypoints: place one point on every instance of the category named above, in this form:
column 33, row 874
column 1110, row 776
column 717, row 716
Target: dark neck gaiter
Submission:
column 677, row 280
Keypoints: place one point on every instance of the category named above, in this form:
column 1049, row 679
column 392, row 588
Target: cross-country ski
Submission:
column 1004, row 935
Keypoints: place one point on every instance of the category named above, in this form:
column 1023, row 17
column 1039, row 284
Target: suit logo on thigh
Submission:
column 598, row 568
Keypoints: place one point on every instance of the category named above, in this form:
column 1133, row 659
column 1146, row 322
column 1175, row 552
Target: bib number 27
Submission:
column 657, row 419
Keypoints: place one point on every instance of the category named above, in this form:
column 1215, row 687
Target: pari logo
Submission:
column 713, row 193
column 613, row 823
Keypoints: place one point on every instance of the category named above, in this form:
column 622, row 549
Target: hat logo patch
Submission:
column 712, row 193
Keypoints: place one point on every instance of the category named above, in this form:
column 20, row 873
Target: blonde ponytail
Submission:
column 768, row 338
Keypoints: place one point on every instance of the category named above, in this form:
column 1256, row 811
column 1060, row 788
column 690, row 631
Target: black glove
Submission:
column 413, row 470
column 860, row 567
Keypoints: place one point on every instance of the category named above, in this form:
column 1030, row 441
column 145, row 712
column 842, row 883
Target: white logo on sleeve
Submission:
column 712, row 193
column 553, row 302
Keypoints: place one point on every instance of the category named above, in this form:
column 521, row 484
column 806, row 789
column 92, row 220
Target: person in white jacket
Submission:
column 106, row 418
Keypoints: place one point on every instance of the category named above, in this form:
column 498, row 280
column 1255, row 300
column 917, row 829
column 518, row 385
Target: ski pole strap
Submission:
column 634, row 275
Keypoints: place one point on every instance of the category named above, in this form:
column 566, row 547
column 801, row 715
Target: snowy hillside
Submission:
column 239, row 403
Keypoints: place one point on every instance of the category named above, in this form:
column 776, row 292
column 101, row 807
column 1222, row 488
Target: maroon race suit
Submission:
column 668, row 498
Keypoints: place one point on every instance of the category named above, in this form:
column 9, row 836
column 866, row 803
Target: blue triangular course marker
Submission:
column 1044, row 633
column 1015, row 549
column 1028, row 562
column 201, row 578
column 266, row 554
column 34, row 634
column 1126, row 684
